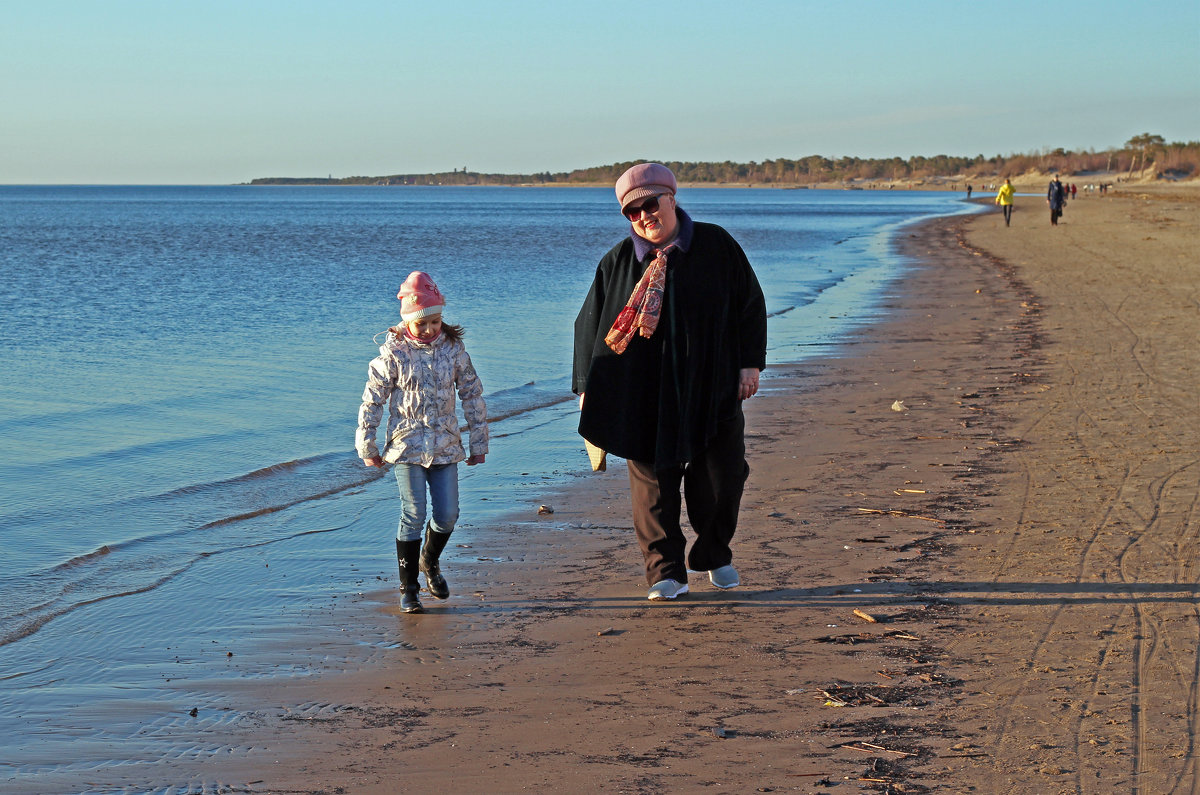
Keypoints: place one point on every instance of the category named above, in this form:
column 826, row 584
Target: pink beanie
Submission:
column 419, row 297
column 644, row 179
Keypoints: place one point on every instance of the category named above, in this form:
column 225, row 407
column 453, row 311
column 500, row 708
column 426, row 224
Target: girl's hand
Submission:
column 373, row 461
column 475, row 459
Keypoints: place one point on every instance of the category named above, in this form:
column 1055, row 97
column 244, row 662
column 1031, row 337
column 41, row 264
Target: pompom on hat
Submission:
column 419, row 297
column 644, row 179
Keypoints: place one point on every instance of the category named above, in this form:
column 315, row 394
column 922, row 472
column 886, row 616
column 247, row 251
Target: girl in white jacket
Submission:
column 420, row 366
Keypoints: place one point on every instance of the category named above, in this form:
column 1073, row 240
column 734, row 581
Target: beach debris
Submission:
column 898, row 405
column 850, row 696
column 865, row 616
column 963, row 751
column 871, row 748
column 849, row 640
column 877, row 695
column 720, row 732
column 902, row 513
column 795, row 691
column 909, row 491
column 607, row 631
column 194, row 712
column 491, row 560
column 545, row 509
column 833, row 701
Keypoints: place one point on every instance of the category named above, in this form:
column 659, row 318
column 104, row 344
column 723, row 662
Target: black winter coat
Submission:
column 660, row 401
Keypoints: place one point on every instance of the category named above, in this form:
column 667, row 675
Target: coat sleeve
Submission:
column 587, row 326
column 470, row 394
column 381, row 381
column 751, row 314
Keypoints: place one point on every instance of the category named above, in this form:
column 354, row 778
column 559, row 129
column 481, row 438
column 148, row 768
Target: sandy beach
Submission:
column 968, row 552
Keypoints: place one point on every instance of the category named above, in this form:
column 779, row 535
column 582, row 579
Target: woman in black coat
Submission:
column 670, row 340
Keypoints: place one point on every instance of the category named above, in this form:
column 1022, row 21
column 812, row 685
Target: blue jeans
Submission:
column 442, row 484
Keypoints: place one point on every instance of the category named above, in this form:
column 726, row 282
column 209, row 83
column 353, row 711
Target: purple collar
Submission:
column 683, row 237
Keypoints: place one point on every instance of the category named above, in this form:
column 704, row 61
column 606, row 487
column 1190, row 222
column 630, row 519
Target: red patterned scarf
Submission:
column 640, row 315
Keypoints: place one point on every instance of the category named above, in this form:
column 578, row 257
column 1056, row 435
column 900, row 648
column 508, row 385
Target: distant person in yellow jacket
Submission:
column 1004, row 197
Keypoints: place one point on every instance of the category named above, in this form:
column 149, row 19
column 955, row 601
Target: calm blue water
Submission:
column 181, row 371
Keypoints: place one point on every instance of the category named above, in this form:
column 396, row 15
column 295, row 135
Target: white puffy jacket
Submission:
column 417, row 382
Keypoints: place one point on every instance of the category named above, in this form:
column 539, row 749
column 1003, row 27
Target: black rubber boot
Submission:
column 408, row 555
column 430, row 555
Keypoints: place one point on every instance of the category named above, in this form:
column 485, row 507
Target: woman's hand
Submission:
column 475, row 459
column 747, row 383
column 373, row 461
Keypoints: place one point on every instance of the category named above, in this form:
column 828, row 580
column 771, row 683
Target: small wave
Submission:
column 274, row 470
column 508, row 403
column 779, row 312
column 40, row 619
column 80, row 560
column 106, row 580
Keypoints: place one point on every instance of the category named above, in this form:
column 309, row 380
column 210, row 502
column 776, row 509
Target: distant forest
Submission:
column 1142, row 156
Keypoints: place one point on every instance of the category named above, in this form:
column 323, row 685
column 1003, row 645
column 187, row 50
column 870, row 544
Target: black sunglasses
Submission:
column 648, row 206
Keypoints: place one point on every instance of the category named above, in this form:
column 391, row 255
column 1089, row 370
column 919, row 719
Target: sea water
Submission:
column 181, row 370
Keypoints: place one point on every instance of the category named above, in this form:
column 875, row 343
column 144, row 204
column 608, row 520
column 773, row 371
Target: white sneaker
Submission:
column 667, row 589
column 724, row 577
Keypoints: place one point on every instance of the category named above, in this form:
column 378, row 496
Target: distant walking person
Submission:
column 420, row 365
column 669, row 342
column 1004, row 197
column 1056, row 197
column 968, row 191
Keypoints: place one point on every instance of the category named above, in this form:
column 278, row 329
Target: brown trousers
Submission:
column 712, row 486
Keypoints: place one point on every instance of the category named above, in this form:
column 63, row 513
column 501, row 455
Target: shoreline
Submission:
column 1120, row 184
column 973, row 509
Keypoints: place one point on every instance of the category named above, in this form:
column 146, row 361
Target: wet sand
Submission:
column 968, row 551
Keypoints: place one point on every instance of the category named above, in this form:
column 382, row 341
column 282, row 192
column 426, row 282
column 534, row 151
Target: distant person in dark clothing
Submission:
column 968, row 191
column 669, row 342
column 1056, row 197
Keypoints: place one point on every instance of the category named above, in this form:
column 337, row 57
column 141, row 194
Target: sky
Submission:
column 224, row 91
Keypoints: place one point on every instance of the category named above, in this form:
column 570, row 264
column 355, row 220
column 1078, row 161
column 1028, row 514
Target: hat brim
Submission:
column 643, row 192
column 424, row 311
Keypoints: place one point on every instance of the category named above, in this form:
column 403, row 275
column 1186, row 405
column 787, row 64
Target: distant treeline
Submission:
column 1142, row 155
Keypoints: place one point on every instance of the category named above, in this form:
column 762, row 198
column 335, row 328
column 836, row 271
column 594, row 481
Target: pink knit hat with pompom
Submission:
column 419, row 297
